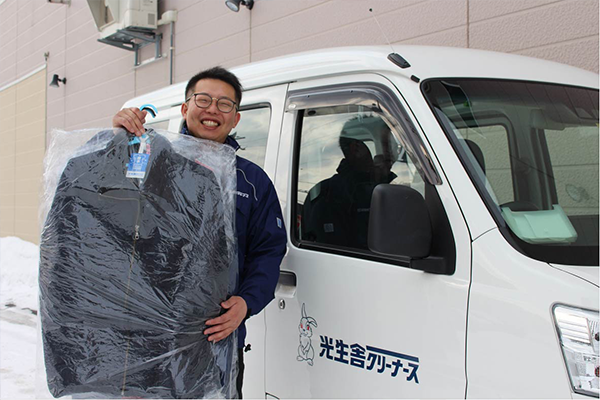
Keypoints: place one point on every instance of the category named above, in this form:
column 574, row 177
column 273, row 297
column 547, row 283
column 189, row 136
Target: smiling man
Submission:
column 210, row 108
column 210, row 112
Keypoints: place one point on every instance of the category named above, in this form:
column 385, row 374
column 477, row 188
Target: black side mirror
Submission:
column 400, row 225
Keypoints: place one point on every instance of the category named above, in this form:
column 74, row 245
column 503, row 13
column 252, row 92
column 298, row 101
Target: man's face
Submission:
column 210, row 123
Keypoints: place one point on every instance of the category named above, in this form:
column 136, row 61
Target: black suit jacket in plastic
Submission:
column 130, row 270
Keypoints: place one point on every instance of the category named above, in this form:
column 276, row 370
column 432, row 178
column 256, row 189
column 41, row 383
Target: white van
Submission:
column 442, row 212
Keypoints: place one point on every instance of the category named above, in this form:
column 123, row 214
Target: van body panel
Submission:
column 586, row 273
column 513, row 347
column 445, row 62
column 426, row 62
column 254, row 375
column 162, row 99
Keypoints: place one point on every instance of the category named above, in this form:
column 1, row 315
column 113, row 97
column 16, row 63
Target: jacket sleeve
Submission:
column 266, row 246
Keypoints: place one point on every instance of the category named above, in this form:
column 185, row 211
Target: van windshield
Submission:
column 532, row 151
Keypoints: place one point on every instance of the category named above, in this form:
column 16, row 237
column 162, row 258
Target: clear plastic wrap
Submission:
column 131, row 267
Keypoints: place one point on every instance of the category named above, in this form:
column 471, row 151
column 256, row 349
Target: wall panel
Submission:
column 22, row 133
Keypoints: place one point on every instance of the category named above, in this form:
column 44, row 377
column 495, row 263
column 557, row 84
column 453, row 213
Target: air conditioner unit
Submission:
column 112, row 16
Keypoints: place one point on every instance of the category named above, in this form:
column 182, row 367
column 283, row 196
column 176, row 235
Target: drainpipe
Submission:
column 170, row 17
column 171, row 52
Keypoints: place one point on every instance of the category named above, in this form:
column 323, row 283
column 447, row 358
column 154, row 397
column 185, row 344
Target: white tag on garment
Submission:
column 142, row 148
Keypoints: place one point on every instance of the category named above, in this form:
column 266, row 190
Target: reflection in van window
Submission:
column 251, row 133
column 579, row 193
column 344, row 155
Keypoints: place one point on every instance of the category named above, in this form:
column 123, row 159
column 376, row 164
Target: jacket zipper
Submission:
column 135, row 236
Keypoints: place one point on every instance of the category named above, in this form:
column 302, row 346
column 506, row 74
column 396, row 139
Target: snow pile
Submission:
column 18, row 273
column 18, row 321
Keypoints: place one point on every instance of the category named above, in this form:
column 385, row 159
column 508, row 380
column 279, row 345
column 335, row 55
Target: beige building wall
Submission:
column 8, row 100
column 22, row 134
column 100, row 78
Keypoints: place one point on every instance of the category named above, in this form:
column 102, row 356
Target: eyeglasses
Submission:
column 204, row 100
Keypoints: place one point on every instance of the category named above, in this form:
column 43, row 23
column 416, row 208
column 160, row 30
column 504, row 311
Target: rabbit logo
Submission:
column 305, row 349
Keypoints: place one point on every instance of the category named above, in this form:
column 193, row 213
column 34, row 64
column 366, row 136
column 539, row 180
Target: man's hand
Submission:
column 223, row 325
column 131, row 119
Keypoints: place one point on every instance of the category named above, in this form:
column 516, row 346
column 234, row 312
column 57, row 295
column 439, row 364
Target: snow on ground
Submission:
column 18, row 321
column 18, row 268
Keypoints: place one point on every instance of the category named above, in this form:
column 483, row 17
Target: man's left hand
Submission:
column 223, row 325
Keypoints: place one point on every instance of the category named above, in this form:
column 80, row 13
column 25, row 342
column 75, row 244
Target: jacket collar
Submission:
column 232, row 142
column 229, row 140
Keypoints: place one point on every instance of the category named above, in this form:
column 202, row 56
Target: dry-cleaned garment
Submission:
column 130, row 270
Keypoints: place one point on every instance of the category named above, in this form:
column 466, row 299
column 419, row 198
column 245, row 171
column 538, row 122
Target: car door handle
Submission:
column 286, row 286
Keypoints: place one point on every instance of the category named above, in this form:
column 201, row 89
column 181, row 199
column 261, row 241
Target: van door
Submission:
column 347, row 322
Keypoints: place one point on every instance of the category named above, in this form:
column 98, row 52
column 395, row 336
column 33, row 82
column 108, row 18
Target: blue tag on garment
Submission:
column 137, row 166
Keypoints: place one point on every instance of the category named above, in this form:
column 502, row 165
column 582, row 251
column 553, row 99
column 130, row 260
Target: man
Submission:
column 210, row 111
column 336, row 210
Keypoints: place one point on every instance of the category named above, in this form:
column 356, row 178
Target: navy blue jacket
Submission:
column 261, row 235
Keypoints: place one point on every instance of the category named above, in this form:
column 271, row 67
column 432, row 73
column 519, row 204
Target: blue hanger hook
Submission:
column 151, row 109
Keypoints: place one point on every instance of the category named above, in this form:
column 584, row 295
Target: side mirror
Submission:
column 400, row 225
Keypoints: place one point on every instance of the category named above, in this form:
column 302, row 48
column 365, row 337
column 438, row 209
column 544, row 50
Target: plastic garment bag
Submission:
column 138, row 250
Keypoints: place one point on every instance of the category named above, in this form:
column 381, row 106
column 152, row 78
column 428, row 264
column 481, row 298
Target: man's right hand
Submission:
column 132, row 119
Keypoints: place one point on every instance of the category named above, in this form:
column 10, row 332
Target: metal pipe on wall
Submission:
column 171, row 48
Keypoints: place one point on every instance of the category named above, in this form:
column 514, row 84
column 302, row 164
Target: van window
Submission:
column 252, row 132
column 344, row 153
column 539, row 144
column 491, row 140
column 578, row 196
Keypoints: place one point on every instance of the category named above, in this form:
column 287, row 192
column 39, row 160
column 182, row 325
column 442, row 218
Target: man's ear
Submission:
column 237, row 118
column 184, row 109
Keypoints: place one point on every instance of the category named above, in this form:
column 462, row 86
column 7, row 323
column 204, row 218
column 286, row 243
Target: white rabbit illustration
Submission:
column 305, row 350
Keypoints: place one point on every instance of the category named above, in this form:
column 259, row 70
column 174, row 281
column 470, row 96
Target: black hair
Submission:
column 218, row 73
column 346, row 143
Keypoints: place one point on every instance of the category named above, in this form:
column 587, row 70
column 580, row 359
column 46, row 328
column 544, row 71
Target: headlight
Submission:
column 579, row 339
